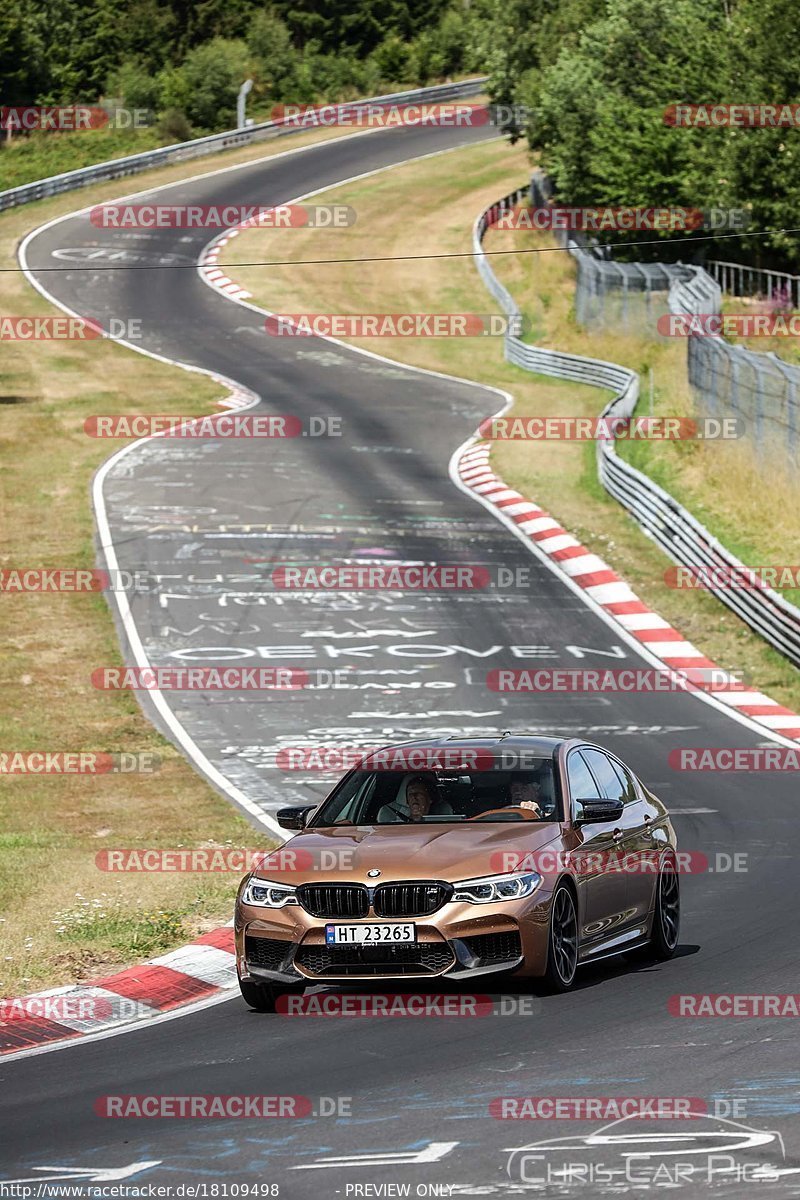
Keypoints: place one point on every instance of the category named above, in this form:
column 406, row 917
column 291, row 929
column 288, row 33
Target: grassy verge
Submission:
column 61, row 918
column 785, row 347
column 722, row 483
column 26, row 159
column 445, row 194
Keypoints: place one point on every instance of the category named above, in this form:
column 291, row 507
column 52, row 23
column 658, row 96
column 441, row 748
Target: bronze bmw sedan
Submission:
column 462, row 857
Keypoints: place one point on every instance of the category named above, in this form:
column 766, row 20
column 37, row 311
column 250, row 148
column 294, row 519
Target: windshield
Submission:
column 443, row 797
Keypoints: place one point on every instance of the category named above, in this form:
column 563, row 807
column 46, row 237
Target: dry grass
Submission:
column 444, row 195
column 722, row 482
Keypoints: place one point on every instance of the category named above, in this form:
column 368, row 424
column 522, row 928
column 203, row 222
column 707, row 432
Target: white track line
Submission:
column 555, row 568
column 178, row 731
column 187, row 743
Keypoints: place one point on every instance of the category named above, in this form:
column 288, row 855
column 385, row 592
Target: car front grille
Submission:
column 340, row 901
column 425, row 958
column 491, row 948
column 410, row 899
column 267, row 953
column 334, row 900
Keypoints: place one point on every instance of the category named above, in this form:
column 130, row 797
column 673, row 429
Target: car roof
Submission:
column 542, row 743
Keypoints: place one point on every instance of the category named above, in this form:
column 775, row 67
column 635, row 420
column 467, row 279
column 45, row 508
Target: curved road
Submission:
column 211, row 520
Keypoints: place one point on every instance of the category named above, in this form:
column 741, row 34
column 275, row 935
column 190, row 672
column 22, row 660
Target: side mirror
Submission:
column 592, row 811
column 294, row 818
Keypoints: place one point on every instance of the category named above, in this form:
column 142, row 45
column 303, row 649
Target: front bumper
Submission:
column 287, row 946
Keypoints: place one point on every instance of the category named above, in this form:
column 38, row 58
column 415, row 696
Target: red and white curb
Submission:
column 617, row 599
column 209, row 265
column 236, row 400
column 203, row 969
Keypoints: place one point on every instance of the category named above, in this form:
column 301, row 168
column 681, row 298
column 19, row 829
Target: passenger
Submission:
column 526, row 793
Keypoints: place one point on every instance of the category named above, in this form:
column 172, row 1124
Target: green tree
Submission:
column 600, row 107
column 270, row 44
column 361, row 24
column 515, row 40
column 209, row 80
column 134, row 85
column 393, row 60
column 764, row 164
column 22, row 57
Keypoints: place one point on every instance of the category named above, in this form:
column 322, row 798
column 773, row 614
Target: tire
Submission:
column 264, row 996
column 666, row 915
column 562, row 942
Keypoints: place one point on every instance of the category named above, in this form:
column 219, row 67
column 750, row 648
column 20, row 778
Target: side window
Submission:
column 612, row 787
column 630, row 795
column 581, row 782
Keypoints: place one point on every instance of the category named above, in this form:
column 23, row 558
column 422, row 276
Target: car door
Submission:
column 642, row 843
column 616, row 784
column 602, row 894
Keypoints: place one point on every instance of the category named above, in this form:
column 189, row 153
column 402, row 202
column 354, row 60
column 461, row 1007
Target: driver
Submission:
column 419, row 798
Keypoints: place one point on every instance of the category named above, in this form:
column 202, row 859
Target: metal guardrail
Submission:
column 610, row 294
column 134, row 164
column 759, row 388
column 662, row 518
column 737, row 279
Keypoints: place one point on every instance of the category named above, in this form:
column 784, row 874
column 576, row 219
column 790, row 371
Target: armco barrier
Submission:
column 662, row 518
column 761, row 389
column 134, row 164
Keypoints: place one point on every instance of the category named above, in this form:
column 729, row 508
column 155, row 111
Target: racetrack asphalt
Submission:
column 212, row 519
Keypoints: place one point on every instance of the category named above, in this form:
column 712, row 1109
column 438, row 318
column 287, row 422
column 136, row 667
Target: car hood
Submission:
column 449, row 852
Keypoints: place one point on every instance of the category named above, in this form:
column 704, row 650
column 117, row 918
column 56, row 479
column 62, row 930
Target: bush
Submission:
column 174, row 126
column 337, row 76
column 276, row 58
column 134, row 85
column 450, row 42
column 394, row 60
column 210, row 78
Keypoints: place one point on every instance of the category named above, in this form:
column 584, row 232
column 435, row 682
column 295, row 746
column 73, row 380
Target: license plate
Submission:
column 369, row 935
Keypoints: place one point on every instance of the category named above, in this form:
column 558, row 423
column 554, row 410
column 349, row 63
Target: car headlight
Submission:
column 266, row 894
column 494, row 888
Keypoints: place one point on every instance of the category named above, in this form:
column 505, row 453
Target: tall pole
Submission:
column 241, row 100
